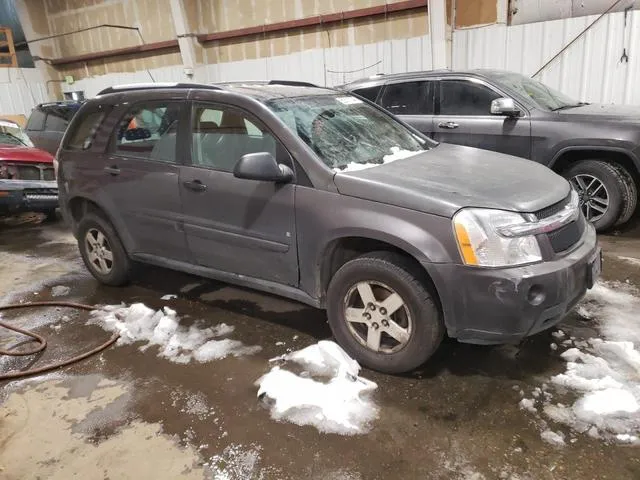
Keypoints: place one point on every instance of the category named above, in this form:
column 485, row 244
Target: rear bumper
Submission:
column 27, row 196
column 490, row 306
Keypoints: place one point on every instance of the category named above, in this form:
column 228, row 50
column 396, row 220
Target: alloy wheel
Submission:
column 594, row 197
column 378, row 317
column 99, row 251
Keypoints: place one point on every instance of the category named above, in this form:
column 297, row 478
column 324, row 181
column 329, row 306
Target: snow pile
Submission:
column 604, row 373
column 60, row 291
column 397, row 153
column 341, row 404
column 139, row 323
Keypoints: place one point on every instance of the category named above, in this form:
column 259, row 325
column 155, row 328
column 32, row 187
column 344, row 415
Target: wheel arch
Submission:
column 570, row 155
column 78, row 206
column 341, row 249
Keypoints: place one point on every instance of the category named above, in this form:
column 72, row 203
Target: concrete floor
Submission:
column 127, row 414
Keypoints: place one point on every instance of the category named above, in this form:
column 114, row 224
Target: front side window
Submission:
column 408, row 98
column 149, row 132
column 222, row 135
column 346, row 132
column 464, row 97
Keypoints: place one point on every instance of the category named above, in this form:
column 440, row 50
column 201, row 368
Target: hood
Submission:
column 602, row 111
column 17, row 153
column 446, row 178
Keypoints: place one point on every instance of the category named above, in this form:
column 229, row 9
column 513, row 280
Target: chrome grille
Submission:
column 552, row 209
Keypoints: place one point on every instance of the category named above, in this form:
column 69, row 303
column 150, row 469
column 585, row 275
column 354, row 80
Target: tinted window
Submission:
column 149, row 131
column 370, row 93
column 221, row 135
column 409, row 98
column 462, row 97
column 85, row 130
column 36, row 120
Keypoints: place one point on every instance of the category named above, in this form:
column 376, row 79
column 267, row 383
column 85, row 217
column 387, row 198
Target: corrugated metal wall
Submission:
column 330, row 66
column 20, row 90
column 590, row 70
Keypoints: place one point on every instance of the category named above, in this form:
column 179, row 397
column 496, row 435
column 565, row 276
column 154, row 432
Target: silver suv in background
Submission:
column 321, row 197
column 596, row 147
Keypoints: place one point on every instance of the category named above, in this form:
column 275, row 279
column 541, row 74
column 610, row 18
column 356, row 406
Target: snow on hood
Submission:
column 179, row 344
column 396, row 154
column 602, row 375
column 338, row 402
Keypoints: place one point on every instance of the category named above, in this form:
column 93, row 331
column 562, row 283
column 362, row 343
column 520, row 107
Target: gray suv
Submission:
column 324, row 198
column 596, row 147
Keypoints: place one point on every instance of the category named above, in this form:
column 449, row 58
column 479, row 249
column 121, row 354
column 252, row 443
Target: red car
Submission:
column 27, row 177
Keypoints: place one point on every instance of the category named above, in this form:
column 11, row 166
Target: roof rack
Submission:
column 292, row 83
column 145, row 86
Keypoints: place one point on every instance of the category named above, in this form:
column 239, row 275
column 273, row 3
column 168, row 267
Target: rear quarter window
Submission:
column 36, row 121
column 84, row 132
column 370, row 93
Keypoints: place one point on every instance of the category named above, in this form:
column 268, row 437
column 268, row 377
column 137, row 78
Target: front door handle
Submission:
column 195, row 185
column 448, row 125
column 112, row 170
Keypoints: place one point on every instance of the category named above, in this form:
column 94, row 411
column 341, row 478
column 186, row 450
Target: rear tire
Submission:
column 632, row 195
column 604, row 203
column 405, row 323
column 102, row 251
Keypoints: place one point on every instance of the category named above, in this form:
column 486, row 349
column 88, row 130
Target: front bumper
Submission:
column 27, row 196
column 490, row 306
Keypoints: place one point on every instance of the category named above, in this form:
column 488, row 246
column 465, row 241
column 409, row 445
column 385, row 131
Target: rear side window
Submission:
column 36, row 120
column 462, row 97
column 85, row 131
column 58, row 118
column 409, row 98
column 149, row 131
column 370, row 93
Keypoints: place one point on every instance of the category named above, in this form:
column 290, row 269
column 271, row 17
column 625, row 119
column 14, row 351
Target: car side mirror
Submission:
column 137, row 134
column 262, row 166
column 504, row 106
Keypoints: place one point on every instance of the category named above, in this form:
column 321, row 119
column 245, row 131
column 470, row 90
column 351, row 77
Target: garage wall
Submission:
column 590, row 70
column 20, row 90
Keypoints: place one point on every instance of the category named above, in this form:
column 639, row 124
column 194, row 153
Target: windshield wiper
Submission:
column 14, row 137
column 565, row 107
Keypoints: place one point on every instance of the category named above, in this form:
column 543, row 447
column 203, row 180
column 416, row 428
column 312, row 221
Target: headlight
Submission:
column 480, row 244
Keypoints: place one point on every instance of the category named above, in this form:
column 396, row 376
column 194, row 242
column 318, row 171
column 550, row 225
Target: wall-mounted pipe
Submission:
column 318, row 20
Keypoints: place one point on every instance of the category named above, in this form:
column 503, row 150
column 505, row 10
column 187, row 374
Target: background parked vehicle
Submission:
column 318, row 196
column 596, row 147
column 27, row 179
column 48, row 122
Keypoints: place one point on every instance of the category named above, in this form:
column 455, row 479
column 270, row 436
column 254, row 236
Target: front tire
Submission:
column 602, row 189
column 102, row 251
column 631, row 195
column 383, row 313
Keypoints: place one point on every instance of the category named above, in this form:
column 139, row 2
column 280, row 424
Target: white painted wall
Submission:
column 20, row 90
column 590, row 70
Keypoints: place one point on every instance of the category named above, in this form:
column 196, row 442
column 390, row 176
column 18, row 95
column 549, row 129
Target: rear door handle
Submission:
column 448, row 125
column 195, row 185
column 112, row 170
